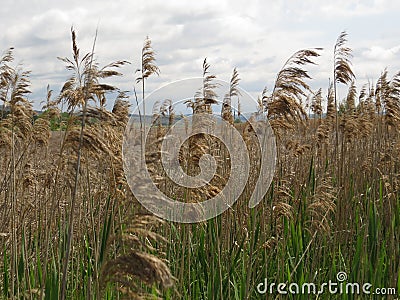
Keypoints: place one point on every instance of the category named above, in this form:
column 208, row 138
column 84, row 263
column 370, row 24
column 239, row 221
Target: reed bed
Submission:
column 70, row 227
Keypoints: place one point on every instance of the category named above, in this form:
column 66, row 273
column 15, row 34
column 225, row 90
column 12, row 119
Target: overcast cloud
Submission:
column 255, row 36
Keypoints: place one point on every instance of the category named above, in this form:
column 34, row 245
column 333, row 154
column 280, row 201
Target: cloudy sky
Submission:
column 255, row 36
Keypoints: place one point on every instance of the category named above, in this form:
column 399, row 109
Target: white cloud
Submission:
column 380, row 53
column 342, row 8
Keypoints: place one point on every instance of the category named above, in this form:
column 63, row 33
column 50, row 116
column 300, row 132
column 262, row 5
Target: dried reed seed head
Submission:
column 92, row 140
column 41, row 132
column 5, row 135
column 282, row 209
column 323, row 134
column 323, row 203
column 316, row 103
column 271, row 243
column 296, row 148
column 342, row 55
column 290, row 87
column 84, row 83
column 331, row 110
column 121, row 110
column 149, row 66
column 143, row 266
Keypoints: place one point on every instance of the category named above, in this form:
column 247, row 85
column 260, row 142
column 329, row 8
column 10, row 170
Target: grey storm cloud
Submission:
column 255, row 36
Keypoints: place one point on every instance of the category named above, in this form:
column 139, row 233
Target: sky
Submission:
column 257, row 37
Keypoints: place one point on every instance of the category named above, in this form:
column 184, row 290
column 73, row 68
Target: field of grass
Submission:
column 70, row 227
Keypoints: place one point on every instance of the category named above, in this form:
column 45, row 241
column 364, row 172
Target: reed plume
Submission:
column 290, row 87
column 148, row 67
column 226, row 111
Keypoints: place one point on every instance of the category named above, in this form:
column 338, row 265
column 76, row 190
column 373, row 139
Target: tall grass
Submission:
column 70, row 227
column 333, row 205
column 310, row 226
column 66, row 212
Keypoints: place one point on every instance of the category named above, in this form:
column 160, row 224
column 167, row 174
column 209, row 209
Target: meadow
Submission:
column 70, row 227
